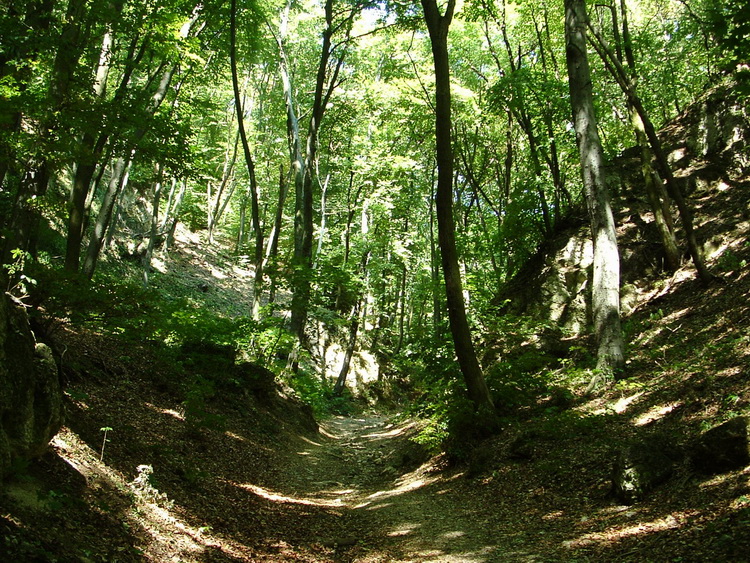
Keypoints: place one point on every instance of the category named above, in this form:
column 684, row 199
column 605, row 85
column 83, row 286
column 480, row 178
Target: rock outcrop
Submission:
column 705, row 144
column 723, row 448
column 639, row 468
column 31, row 403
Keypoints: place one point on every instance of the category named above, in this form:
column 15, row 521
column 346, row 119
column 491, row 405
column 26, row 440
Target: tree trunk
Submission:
column 354, row 322
column 606, row 275
column 437, row 26
column 116, row 182
column 661, row 159
column 34, row 180
column 217, row 205
column 159, row 171
column 91, row 149
column 254, row 209
column 301, row 285
column 169, row 239
column 322, row 230
column 437, row 306
column 272, row 249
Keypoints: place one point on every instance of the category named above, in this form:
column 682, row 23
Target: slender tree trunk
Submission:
column 164, row 73
column 26, row 217
column 322, row 230
column 661, row 158
column 272, row 248
column 437, row 305
column 300, row 273
column 116, row 183
column 169, row 205
column 351, row 206
column 354, row 322
column 254, row 208
column 437, row 26
column 217, row 205
column 169, row 239
column 606, row 275
column 91, row 149
column 402, row 310
column 159, row 171
column 657, row 196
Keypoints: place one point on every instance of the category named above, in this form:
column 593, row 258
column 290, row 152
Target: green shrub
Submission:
column 199, row 392
column 320, row 396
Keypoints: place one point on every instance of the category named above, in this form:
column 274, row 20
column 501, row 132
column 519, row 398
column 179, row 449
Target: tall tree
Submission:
column 606, row 274
column 253, row 187
column 166, row 71
column 438, row 25
column 661, row 158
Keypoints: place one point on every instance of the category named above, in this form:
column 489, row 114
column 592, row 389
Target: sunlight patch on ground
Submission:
column 676, row 315
column 409, row 482
column 721, row 479
column 401, row 489
column 309, row 441
column 170, row 537
column 284, row 499
column 655, row 413
column 403, row 530
column 669, row 522
column 171, row 412
column 618, row 510
column 397, row 431
column 623, row 403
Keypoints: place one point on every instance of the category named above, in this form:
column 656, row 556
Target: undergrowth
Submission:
column 200, row 342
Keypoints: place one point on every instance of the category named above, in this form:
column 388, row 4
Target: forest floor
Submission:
column 259, row 482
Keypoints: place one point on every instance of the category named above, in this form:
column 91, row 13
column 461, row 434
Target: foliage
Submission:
column 200, row 391
column 320, row 396
column 729, row 23
column 450, row 421
column 19, row 284
column 515, row 161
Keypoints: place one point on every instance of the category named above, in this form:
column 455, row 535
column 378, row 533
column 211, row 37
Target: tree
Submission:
column 646, row 129
column 606, row 268
column 253, row 184
column 437, row 26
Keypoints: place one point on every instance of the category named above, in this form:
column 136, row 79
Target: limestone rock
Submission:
column 31, row 406
column 638, row 469
column 723, row 448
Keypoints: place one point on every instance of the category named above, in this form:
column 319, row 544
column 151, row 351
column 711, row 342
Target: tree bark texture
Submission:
column 606, row 274
column 437, row 26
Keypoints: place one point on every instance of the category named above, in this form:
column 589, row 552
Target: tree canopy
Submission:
column 304, row 132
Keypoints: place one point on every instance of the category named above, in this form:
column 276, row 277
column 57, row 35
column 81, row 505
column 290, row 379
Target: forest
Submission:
column 374, row 280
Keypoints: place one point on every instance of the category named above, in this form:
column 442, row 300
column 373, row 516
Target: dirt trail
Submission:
column 392, row 508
